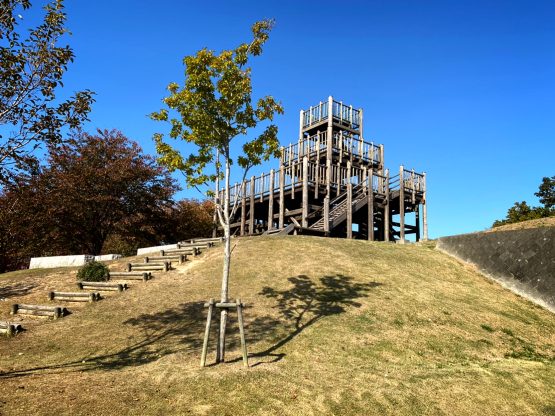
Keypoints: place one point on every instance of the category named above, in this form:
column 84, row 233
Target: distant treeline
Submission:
column 95, row 194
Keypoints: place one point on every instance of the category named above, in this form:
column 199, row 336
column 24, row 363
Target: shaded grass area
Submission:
column 333, row 327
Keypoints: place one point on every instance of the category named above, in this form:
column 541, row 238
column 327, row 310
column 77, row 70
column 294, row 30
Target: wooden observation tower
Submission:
column 332, row 182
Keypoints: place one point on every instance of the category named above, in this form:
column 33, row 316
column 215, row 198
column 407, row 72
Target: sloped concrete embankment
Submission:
column 522, row 260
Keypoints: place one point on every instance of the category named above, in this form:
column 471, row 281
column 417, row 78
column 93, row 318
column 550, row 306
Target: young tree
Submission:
column 214, row 110
column 31, row 71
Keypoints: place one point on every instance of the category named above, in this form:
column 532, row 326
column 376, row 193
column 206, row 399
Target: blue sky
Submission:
column 464, row 90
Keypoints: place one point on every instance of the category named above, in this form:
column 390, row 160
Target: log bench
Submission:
column 10, row 328
column 180, row 258
column 147, row 267
column 39, row 310
column 142, row 275
column 102, row 286
column 74, row 296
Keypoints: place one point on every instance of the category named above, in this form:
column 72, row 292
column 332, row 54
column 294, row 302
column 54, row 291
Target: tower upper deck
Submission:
column 331, row 112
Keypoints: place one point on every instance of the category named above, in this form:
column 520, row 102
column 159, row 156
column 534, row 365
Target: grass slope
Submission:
column 335, row 327
column 537, row 223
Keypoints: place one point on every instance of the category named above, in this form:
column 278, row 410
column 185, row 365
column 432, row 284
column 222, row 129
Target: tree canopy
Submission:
column 93, row 187
column 31, row 72
column 521, row 211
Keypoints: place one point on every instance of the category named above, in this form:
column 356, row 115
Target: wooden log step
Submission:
column 39, row 310
column 9, row 328
column 180, row 258
column 74, row 296
column 202, row 240
column 195, row 251
column 165, row 266
column 103, row 286
column 144, row 275
column 206, row 244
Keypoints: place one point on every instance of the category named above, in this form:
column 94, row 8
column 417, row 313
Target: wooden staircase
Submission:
column 338, row 208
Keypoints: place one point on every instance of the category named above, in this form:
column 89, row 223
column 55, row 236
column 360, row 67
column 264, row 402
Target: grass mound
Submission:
column 334, row 327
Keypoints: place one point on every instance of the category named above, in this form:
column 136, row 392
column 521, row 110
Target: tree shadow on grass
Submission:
column 305, row 303
column 16, row 289
column 174, row 330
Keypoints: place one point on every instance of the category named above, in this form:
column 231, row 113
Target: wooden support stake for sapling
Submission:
column 242, row 333
column 207, row 333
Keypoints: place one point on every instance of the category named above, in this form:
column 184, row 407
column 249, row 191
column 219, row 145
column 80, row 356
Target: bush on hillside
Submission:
column 93, row 272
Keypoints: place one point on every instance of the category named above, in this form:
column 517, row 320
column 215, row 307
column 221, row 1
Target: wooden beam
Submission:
column 417, row 222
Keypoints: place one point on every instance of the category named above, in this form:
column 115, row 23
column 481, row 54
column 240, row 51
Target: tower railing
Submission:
column 343, row 114
column 258, row 187
column 342, row 143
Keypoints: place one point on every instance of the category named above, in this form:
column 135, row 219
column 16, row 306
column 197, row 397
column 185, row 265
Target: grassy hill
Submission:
column 335, row 327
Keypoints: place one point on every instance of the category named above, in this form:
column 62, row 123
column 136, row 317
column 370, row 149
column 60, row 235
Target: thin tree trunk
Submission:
column 226, row 265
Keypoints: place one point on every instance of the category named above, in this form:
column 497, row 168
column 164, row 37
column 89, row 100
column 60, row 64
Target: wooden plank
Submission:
column 327, row 214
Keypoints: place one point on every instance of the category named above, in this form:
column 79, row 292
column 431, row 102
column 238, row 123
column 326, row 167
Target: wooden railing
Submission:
column 343, row 114
column 261, row 186
column 412, row 181
column 343, row 143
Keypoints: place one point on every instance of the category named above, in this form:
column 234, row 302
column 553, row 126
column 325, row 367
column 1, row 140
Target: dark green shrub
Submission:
column 93, row 272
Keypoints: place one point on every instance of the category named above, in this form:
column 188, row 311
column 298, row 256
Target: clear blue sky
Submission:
column 464, row 90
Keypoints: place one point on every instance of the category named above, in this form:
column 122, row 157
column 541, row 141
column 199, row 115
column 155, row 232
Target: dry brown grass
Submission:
column 334, row 327
column 538, row 223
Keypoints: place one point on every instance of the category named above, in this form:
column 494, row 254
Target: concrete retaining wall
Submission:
column 59, row 261
column 68, row 261
column 522, row 260
column 155, row 249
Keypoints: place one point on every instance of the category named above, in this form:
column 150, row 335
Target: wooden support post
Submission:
column 251, row 211
column 370, row 196
column 382, row 163
column 417, row 222
column 207, row 333
column 304, row 219
column 242, row 332
column 330, row 129
column 327, row 214
column 243, row 208
column 349, row 202
column 424, row 211
column 402, row 205
column 271, row 202
column 281, row 197
column 386, row 208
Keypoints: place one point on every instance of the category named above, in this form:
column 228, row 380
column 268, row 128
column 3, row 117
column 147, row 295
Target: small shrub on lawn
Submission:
column 93, row 272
